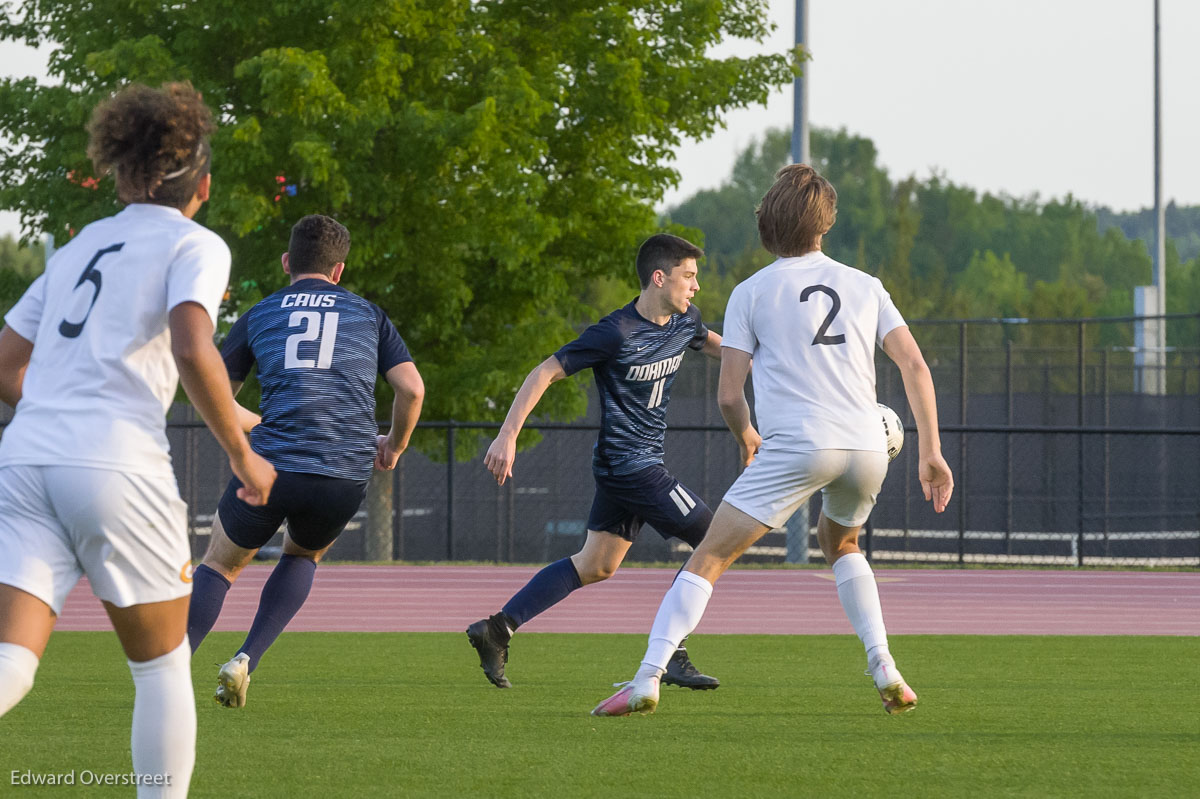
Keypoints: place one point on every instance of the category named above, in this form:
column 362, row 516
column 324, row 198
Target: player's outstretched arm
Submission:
column 503, row 451
column 206, row 382
column 15, row 352
column 936, row 479
column 712, row 345
column 406, row 382
column 731, row 396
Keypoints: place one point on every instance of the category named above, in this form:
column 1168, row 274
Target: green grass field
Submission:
column 342, row 714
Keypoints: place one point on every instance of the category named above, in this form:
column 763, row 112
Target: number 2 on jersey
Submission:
column 316, row 326
column 821, row 338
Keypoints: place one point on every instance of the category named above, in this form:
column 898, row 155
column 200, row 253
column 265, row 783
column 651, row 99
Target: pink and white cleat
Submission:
column 893, row 690
column 632, row 698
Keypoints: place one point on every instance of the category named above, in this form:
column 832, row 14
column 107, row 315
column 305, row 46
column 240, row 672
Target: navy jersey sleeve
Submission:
column 701, row 334
column 392, row 349
column 236, row 352
column 597, row 344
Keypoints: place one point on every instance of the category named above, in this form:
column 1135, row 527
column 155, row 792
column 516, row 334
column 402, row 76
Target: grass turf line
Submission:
column 410, row 714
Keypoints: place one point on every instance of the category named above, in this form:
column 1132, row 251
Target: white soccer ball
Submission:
column 893, row 430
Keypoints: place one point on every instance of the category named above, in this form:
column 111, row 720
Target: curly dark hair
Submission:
column 155, row 141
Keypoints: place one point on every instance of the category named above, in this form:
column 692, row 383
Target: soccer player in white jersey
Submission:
column 91, row 357
column 811, row 325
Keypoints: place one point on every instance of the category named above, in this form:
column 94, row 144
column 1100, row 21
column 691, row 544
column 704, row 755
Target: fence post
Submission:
column 398, row 511
column 450, row 491
column 962, row 441
column 1008, row 455
column 1079, row 458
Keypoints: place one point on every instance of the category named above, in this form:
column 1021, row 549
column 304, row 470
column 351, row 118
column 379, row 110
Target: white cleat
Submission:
column 634, row 697
column 232, row 681
column 893, row 690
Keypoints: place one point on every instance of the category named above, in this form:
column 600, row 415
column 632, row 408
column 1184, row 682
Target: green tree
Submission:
column 19, row 265
column 488, row 156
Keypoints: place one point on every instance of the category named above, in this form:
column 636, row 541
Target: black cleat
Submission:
column 681, row 672
column 490, row 638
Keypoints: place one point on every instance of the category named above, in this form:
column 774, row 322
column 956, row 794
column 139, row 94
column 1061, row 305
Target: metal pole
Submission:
column 800, row 152
column 1160, row 222
column 450, row 491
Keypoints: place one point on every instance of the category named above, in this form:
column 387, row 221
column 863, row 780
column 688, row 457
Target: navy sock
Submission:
column 282, row 596
column 547, row 588
column 209, row 587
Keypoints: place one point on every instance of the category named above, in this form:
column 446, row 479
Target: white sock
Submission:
column 859, row 596
column 17, row 667
column 164, row 722
column 680, row 612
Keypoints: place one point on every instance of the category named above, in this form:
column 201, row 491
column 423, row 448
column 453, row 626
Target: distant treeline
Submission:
column 945, row 250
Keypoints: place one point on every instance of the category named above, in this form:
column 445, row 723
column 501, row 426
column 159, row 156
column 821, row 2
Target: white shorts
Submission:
column 127, row 533
column 776, row 483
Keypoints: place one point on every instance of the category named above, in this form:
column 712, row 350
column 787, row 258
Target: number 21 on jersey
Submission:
column 322, row 326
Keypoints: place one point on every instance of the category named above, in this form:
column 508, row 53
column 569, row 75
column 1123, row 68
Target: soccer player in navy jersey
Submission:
column 634, row 354
column 318, row 348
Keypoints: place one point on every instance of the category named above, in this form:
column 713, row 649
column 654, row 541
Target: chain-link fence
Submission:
column 1057, row 460
column 1060, row 457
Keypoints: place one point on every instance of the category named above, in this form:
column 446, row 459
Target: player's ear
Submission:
column 337, row 272
column 659, row 277
column 283, row 259
column 203, row 188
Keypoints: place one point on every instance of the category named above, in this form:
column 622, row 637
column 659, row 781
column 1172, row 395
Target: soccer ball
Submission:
column 893, row 430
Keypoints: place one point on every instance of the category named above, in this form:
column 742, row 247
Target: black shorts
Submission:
column 317, row 508
column 624, row 503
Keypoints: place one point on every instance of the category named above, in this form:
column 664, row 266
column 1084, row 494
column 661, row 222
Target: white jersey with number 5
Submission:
column 102, row 375
column 811, row 325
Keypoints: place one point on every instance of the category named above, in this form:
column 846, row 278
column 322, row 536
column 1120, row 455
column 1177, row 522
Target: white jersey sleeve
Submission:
column 889, row 316
column 738, row 331
column 199, row 272
column 26, row 315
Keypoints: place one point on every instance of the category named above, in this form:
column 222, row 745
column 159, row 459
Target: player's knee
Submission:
column 595, row 570
column 18, row 666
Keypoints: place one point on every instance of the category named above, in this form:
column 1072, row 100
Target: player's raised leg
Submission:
column 211, row 580
column 859, row 596
column 598, row 560
column 730, row 534
column 163, row 738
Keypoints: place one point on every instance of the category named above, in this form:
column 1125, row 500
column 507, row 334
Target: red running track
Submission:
column 797, row 602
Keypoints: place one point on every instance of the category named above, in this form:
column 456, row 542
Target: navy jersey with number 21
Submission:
column 318, row 348
column 634, row 362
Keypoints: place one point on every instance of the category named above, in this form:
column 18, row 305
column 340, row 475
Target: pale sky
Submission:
column 1022, row 97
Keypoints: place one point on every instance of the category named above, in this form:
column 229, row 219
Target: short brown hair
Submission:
column 663, row 251
column 796, row 211
column 154, row 140
column 318, row 243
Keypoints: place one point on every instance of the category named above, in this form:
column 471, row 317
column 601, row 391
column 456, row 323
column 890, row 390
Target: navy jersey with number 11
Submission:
column 634, row 362
column 318, row 348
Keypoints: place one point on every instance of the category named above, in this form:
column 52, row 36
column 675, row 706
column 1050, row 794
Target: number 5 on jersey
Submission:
column 316, row 326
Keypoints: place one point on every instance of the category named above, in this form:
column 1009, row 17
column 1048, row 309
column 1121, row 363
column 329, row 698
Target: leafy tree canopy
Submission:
column 488, row 156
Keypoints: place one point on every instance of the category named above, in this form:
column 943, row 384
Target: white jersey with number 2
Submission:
column 811, row 325
column 102, row 375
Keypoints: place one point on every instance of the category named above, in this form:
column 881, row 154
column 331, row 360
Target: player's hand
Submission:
column 500, row 456
column 748, row 446
column 936, row 481
column 257, row 476
column 386, row 453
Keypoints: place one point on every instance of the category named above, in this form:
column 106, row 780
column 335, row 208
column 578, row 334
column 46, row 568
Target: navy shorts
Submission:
column 624, row 503
column 317, row 508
